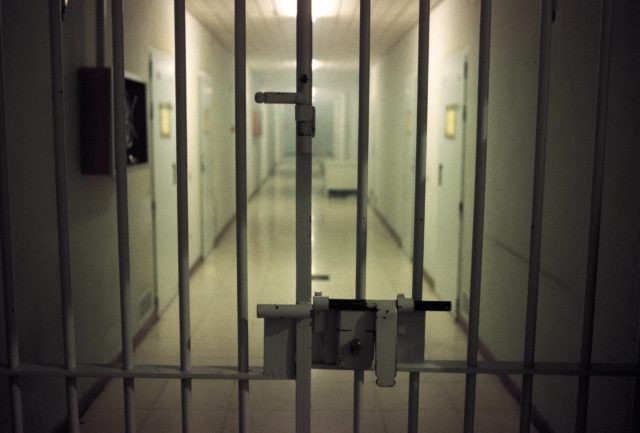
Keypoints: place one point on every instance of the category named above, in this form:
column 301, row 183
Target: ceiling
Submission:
column 271, row 28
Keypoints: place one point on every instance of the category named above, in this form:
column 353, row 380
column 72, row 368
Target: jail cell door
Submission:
column 207, row 203
column 449, row 178
column 163, row 124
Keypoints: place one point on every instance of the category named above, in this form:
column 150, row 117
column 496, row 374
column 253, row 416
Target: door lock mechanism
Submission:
column 349, row 334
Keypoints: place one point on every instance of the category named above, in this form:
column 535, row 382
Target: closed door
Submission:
column 165, row 197
column 449, row 178
column 207, row 203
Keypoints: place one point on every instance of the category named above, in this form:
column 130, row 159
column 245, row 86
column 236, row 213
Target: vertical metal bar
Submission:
column 536, row 211
column 183, row 208
column 363, row 173
column 119, row 110
column 480, row 182
column 635, row 421
column 68, row 322
column 596, row 210
column 8, row 276
column 100, row 26
column 420, row 189
column 304, row 127
column 241, row 211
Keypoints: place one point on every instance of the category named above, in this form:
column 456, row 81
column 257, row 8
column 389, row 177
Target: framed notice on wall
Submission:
column 136, row 122
column 450, row 121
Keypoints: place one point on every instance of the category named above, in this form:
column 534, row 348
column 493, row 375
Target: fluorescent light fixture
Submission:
column 321, row 8
column 315, row 64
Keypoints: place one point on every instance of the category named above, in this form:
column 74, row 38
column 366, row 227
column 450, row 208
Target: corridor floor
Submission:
column 271, row 260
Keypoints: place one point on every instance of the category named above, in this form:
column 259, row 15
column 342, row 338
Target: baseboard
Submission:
column 196, row 265
column 539, row 421
column 232, row 220
column 429, row 279
column 386, row 224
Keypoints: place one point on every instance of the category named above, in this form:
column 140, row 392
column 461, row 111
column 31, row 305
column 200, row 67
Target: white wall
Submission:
column 512, row 108
column 205, row 54
column 393, row 112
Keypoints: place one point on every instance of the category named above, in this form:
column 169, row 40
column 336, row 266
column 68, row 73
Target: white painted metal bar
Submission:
column 480, row 181
column 241, row 211
column 304, row 132
column 62, row 207
column 183, row 208
column 363, row 175
column 100, row 32
column 536, row 211
column 276, row 98
column 8, row 264
column 214, row 372
column 119, row 123
column 596, row 211
column 420, row 190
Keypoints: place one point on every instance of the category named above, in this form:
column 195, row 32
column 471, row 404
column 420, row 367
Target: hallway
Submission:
column 271, row 280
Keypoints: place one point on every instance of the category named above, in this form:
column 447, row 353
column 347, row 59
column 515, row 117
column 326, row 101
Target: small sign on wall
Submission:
column 164, row 111
column 450, row 121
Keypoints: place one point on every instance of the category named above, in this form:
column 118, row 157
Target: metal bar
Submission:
column 215, row 372
column 62, row 207
column 536, row 211
column 119, row 110
column 420, row 189
column 363, row 149
column 100, row 34
column 372, row 305
column 241, row 210
column 635, row 422
column 280, row 311
column 183, row 208
column 480, row 181
column 304, row 130
column 363, row 175
column 8, row 267
column 596, row 210
column 276, row 98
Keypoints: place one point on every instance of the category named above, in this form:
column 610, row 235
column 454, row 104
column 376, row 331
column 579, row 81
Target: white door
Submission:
column 207, row 202
column 163, row 125
column 449, row 178
column 406, row 206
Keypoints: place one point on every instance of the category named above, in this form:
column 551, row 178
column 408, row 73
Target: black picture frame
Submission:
column 136, row 139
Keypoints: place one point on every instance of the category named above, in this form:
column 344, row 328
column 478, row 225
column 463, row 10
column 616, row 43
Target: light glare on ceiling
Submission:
column 321, row 8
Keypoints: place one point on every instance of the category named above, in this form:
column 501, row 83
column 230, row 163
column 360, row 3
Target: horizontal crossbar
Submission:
column 257, row 373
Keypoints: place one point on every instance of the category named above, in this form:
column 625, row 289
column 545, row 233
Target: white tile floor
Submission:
column 271, row 280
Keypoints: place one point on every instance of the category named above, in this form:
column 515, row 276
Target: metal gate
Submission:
column 303, row 318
